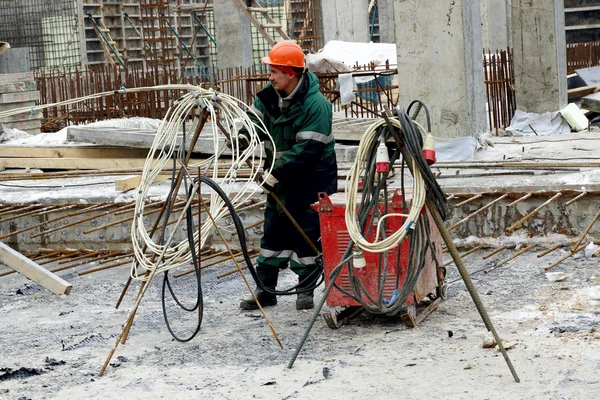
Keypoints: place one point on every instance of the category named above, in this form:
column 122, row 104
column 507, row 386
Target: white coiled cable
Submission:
column 358, row 168
column 231, row 114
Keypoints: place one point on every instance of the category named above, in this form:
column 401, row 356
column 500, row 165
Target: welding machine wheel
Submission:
column 335, row 320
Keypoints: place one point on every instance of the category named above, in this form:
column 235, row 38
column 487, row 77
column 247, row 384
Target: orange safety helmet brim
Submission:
column 286, row 53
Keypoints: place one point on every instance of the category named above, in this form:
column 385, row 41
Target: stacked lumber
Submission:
column 19, row 90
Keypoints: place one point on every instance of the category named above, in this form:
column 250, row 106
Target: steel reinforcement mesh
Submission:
column 49, row 29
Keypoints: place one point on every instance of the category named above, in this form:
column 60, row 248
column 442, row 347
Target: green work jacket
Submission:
column 304, row 155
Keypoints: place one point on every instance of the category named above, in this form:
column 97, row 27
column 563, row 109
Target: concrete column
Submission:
column 81, row 33
column 233, row 35
column 538, row 30
column 387, row 31
column 440, row 63
column 346, row 20
column 495, row 24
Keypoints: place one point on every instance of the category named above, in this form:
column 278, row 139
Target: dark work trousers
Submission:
column 282, row 243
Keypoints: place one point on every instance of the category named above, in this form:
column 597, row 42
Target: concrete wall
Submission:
column 233, row 35
column 495, row 24
column 538, row 32
column 387, row 30
column 440, row 62
column 346, row 20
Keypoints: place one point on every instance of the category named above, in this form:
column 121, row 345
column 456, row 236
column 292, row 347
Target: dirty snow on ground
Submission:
column 59, row 343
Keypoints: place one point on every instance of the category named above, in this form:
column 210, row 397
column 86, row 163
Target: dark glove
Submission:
column 243, row 140
column 269, row 183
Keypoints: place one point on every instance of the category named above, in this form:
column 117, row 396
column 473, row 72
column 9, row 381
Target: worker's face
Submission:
column 283, row 82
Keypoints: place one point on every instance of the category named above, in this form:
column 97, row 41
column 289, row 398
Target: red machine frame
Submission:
column 335, row 239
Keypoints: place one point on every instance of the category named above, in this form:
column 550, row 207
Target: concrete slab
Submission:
column 37, row 115
column 28, row 123
column 347, row 129
column 15, row 105
column 591, row 102
column 14, row 77
column 591, row 76
column 18, row 86
column 15, row 97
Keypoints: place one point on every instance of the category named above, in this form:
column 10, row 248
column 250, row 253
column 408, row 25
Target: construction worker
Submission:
column 299, row 118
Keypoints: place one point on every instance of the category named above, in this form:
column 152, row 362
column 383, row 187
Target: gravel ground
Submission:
column 54, row 346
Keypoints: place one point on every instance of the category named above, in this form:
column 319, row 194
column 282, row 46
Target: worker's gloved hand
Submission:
column 243, row 140
column 269, row 183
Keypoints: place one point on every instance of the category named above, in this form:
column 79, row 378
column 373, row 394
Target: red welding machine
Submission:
column 429, row 288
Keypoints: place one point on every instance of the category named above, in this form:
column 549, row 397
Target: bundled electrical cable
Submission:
column 359, row 217
column 154, row 254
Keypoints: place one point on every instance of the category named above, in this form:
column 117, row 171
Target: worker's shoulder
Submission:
column 317, row 101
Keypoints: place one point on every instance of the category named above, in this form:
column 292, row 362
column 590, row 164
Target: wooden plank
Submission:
column 72, row 163
column 131, row 182
column 70, row 152
column 582, row 91
column 581, row 9
column 33, row 271
column 75, row 163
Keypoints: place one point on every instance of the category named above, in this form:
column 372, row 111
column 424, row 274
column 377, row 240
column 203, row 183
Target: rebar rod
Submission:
column 87, row 254
column 550, row 250
column 573, row 200
column 122, row 221
column 9, row 209
column 531, row 214
column 104, row 267
column 258, row 223
column 498, row 250
column 468, row 217
column 520, row 199
column 117, row 257
column 145, row 286
column 58, row 269
column 586, row 231
column 44, row 255
column 220, row 260
column 19, row 209
column 66, row 255
column 243, row 276
column 463, row 255
column 132, row 206
column 95, row 207
column 235, row 270
column 501, row 263
column 563, row 258
column 27, row 214
column 462, row 203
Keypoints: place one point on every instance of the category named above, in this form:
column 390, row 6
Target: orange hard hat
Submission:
column 286, row 53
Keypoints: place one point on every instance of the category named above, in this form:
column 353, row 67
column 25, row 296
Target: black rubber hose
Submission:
column 315, row 276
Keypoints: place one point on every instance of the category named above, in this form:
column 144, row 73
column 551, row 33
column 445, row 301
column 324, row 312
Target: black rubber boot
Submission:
column 268, row 276
column 305, row 301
